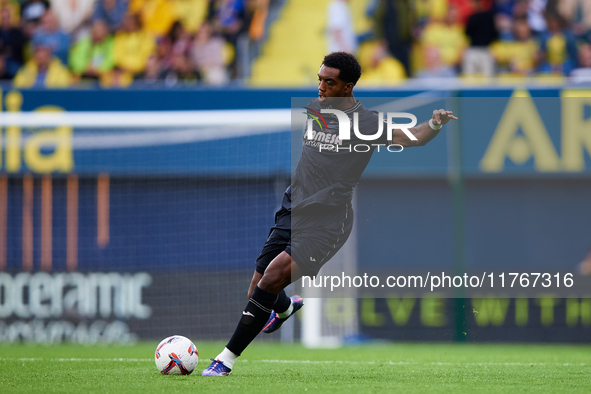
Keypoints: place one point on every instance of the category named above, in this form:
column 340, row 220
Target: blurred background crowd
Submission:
column 117, row 43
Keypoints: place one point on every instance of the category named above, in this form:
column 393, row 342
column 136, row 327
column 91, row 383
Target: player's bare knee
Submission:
column 274, row 280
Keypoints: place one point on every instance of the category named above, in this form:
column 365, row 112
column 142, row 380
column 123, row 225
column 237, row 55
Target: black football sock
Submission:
column 254, row 317
column 283, row 302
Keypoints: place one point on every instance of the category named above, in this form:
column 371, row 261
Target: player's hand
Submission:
column 441, row 116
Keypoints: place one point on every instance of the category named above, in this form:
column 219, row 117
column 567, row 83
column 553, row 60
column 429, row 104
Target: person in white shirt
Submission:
column 71, row 14
column 341, row 35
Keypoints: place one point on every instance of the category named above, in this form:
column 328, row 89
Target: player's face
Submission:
column 330, row 85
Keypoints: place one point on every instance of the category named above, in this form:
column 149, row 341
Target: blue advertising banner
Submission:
column 120, row 210
column 520, row 134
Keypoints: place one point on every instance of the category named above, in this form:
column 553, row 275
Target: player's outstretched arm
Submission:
column 424, row 132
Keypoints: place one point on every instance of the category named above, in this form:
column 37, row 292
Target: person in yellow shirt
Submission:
column 558, row 45
column 447, row 36
column 379, row 67
column 43, row 70
column 191, row 13
column 133, row 46
column 525, row 51
column 157, row 15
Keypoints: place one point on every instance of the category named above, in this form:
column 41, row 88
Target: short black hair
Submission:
column 348, row 66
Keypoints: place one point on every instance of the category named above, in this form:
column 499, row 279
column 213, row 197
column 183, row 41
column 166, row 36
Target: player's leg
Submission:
column 279, row 274
column 275, row 278
column 256, row 278
column 283, row 308
column 278, row 241
column 322, row 242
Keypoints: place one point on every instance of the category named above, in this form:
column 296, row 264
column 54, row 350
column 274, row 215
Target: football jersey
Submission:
column 329, row 168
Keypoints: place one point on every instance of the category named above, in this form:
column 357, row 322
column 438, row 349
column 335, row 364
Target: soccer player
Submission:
column 320, row 193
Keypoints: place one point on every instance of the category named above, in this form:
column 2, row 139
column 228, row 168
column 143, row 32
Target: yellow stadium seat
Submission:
column 297, row 43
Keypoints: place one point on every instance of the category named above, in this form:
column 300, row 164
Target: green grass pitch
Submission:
column 274, row 368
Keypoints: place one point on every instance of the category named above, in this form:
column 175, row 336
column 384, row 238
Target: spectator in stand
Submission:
column 49, row 34
column 116, row 78
column 31, row 14
column 519, row 55
column 191, row 13
column 133, row 46
column 43, row 70
column 394, row 21
column 14, row 7
column 93, row 55
column 182, row 71
column 72, row 14
column 176, row 41
column 465, row 9
column 208, row 55
column 435, row 68
column 33, row 10
column 504, row 25
column 535, row 15
column 525, row 49
column 521, row 9
column 153, row 74
column 578, row 12
column 260, row 10
column 448, row 38
column 111, row 11
column 12, row 42
column 4, row 75
column 378, row 66
column 482, row 32
column 341, row 35
column 228, row 17
column 558, row 45
column 504, row 14
column 427, row 11
column 505, row 7
column 157, row 15
column 583, row 73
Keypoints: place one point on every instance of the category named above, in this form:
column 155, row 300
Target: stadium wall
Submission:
column 117, row 233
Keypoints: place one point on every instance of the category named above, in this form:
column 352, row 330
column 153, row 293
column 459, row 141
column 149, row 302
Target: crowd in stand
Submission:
column 452, row 38
column 116, row 42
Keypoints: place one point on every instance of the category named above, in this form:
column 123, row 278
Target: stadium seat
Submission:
column 296, row 49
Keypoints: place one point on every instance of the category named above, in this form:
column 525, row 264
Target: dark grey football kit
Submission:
column 316, row 215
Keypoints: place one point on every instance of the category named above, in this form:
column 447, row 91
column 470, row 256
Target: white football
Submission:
column 176, row 355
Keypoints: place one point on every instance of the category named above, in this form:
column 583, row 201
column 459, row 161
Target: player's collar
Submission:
column 349, row 110
column 353, row 108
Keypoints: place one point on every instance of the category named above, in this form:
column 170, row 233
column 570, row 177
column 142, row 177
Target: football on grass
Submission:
column 176, row 355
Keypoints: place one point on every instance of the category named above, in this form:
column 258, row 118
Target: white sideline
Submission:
column 307, row 362
column 134, row 119
column 144, row 138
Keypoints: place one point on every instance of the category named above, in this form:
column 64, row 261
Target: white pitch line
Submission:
column 77, row 359
column 128, row 119
column 310, row 362
column 417, row 363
